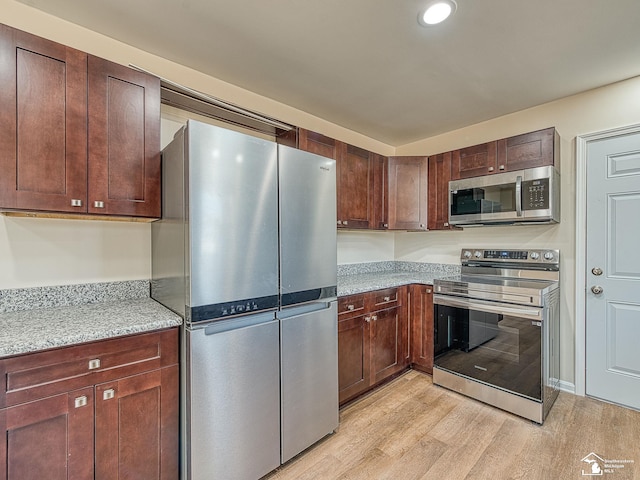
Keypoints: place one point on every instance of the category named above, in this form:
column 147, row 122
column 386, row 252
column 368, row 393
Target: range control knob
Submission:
column 466, row 254
column 477, row 254
column 548, row 255
column 535, row 255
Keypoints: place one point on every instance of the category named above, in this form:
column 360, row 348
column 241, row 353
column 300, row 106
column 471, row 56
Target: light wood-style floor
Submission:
column 410, row 429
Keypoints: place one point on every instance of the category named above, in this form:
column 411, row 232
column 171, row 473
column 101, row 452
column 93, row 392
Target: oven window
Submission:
column 500, row 350
column 490, row 199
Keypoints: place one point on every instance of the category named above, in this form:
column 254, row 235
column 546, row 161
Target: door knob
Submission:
column 596, row 271
column 597, row 289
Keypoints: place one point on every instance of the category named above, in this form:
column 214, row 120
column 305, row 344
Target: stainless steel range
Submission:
column 496, row 329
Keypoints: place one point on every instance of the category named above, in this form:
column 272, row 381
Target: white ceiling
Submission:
column 368, row 66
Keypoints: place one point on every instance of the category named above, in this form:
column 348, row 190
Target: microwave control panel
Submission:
column 535, row 194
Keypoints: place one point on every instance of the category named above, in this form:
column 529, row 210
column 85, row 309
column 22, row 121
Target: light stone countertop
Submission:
column 58, row 318
column 359, row 278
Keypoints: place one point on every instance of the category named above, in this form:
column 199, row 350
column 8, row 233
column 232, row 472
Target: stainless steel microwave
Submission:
column 520, row 197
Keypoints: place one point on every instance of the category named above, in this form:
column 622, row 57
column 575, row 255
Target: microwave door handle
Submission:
column 519, row 196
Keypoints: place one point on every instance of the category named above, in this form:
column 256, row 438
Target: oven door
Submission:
column 495, row 343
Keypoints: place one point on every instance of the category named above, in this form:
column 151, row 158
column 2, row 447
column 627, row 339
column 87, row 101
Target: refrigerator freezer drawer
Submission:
column 309, row 377
column 233, row 400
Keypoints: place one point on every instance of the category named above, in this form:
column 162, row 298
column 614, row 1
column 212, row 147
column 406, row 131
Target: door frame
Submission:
column 582, row 142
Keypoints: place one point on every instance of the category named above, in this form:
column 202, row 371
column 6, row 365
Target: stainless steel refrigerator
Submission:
column 246, row 253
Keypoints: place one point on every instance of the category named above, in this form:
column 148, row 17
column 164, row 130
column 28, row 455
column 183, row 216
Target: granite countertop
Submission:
column 359, row 278
column 37, row 319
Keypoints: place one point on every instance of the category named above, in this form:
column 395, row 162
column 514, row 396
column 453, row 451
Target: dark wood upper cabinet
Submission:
column 43, row 139
column 438, row 179
column 79, row 134
column 124, row 140
column 380, row 201
column 530, row 150
column 319, row 144
column 408, row 193
column 355, row 185
column 474, row 161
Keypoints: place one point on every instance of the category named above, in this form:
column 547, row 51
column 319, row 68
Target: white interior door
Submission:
column 613, row 270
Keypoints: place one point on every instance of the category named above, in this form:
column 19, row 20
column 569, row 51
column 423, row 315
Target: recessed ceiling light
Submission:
column 436, row 12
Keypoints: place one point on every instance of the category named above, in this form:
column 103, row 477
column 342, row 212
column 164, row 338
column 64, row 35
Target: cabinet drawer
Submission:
column 385, row 298
column 351, row 305
column 38, row 375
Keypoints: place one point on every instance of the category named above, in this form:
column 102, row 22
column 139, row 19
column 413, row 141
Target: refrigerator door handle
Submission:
column 306, row 308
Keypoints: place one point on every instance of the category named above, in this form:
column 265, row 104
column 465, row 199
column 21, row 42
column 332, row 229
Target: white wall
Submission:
column 358, row 247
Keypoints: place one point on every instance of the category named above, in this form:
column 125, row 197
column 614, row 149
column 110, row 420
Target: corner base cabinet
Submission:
column 103, row 410
column 373, row 339
column 421, row 326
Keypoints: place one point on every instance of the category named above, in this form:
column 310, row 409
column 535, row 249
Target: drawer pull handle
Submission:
column 76, row 202
column 387, row 299
column 98, row 204
column 108, row 394
column 93, row 364
column 350, row 307
column 80, row 401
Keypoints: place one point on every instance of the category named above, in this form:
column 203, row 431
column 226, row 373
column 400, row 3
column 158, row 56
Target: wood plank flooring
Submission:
column 410, row 429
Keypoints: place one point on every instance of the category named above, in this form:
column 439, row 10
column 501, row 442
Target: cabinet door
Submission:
column 439, row 176
column 474, row 161
column 355, row 185
column 422, row 327
column 137, row 427
column 388, row 337
column 380, row 202
column 353, row 357
column 48, row 439
column 124, row 141
column 530, row 150
column 43, row 139
column 408, row 193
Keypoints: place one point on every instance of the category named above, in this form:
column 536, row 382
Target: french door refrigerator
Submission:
column 246, row 253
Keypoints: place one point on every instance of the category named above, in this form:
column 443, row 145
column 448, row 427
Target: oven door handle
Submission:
column 489, row 307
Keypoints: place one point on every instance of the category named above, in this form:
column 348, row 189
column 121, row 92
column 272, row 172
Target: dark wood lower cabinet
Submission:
column 122, row 428
column 421, row 326
column 381, row 333
column 373, row 339
column 354, row 374
column 49, row 439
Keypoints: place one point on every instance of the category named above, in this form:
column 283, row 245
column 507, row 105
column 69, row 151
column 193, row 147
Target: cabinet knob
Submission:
column 422, row 225
column 76, row 202
column 350, row 307
column 491, row 169
column 387, row 299
column 445, row 224
column 344, row 222
column 80, row 401
column 367, row 319
column 93, row 364
column 98, row 204
column 339, row 222
column 428, row 290
column 374, row 317
column 501, row 167
column 386, row 225
column 108, row 394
